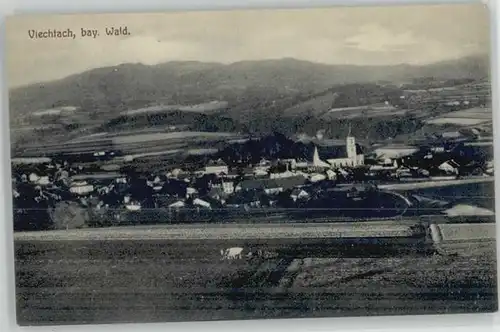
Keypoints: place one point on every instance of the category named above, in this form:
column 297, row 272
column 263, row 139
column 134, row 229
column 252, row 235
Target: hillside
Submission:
column 249, row 97
column 245, row 84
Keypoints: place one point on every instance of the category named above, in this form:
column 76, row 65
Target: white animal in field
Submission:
column 232, row 253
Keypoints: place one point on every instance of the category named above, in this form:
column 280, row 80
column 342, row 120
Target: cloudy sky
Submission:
column 348, row 35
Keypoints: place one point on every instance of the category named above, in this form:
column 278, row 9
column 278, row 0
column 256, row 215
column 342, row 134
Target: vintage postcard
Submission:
column 224, row 165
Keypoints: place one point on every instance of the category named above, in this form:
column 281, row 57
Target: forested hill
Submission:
column 128, row 86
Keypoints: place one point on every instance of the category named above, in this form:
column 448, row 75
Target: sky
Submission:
column 337, row 35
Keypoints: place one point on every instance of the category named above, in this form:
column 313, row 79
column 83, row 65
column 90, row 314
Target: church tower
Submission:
column 351, row 145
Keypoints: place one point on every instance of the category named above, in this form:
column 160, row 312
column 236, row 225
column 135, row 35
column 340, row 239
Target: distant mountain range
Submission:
column 243, row 84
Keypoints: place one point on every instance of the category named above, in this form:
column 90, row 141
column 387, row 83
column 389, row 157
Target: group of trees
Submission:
column 274, row 146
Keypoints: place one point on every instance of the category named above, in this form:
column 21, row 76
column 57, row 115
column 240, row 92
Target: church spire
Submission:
column 350, row 131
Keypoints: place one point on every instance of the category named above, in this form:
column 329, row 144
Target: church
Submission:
column 331, row 154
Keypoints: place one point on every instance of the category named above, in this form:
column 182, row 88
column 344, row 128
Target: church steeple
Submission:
column 351, row 145
column 317, row 162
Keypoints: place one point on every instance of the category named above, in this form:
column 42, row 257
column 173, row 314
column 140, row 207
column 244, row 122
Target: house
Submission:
column 451, row 135
column 122, row 180
column 216, row 167
column 291, row 162
column 33, row 178
column 271, row 186
column 157, row 187
column 202, row 203
column 299, row 194
column 186, row 178
column 262, row 168
column 177, row 204
column 351, row 190
column 226, row 186
column 450, row 167
column 264, row 162
column 245, row 198
column 317, row 177
column 232, row 174
column 332, row 175
column 190, row 192
column 133, row 206
column 285, row 174
column 259, row 171
column 81, row 188
column 175, row 173
column 217, row 194
column 404, row 172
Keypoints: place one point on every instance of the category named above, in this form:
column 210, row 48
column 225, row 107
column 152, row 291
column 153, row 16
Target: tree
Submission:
column 69, row 215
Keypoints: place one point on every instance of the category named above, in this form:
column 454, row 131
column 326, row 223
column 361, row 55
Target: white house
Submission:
column 218, row 167
column 317, row 177
column 200, row 202
column 226, row 186
column 33, row 178
column 177, row 204
column 122, row 180
column 299, row 194
column 190, row 191
column 450, row 167
column 134, row 206
column 81, row 188
column 331, row 175
column 285, row 174
column 43, row 181
column 260, row 171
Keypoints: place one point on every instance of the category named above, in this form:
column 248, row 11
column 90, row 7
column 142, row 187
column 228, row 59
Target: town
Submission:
column 266, row 179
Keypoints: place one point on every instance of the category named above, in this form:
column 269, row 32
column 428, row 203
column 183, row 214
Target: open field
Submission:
column 466, row 117
column 139, row 138
column 318, row 105
column 374, row 110
column 134, row 143
column 136, row 156
column 71, row 282
column 205, row 107
column 346, row 230
column 457, row 121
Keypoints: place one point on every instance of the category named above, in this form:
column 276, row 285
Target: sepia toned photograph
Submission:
column 252, row 164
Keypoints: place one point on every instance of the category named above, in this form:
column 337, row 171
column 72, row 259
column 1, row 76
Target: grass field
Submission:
column 139, row 138
column 205, row 107
column 136, row 142
column 472, row 116
column 374, row 110
column 72, row 282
